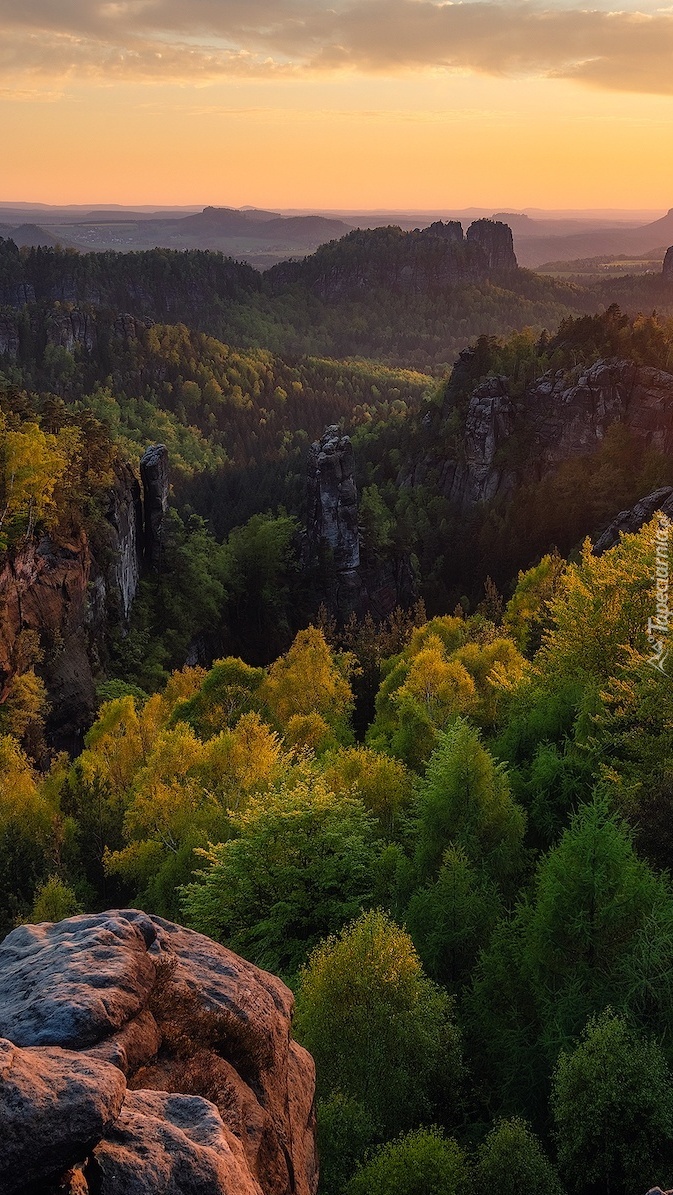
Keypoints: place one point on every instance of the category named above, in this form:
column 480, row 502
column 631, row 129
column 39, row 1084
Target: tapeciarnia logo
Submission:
column 658, row 627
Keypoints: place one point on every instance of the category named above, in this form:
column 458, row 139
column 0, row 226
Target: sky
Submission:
column 393, row 104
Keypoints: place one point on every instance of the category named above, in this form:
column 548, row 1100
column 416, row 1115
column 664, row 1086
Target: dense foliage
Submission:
column 450, row 834
column 479, row 932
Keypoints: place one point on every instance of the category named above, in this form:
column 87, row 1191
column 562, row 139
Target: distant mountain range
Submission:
column 265, row 237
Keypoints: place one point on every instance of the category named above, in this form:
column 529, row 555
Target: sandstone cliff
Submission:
column 140, row 1057
column 628, row 522
column 68, row 594
column 424, row 261
column 347, row 580
column 668, row 263
column 507, row 441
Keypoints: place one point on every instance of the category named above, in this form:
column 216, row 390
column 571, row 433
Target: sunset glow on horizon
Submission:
column 384, row 103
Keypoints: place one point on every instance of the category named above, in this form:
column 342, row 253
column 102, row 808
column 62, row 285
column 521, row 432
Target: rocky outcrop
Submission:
column 9, row 336
column 628, row 522
column 125, row 516
column 668, row 263
column 421, row 262
column 71, row 329
column 496, row 243
column 333, row 537
column 481, row 474
column 170, row 1058
column 348, row 580
column 65, row 596
column 169, row 1143
column 54, row 1108
column 154, row 474
column 506, row 442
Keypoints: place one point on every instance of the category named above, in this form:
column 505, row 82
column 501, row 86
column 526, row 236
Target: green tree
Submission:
column 596, row 929
column 424, row 1162
column 302, row 863
column 464, row 801
column 511, row 1160
column 451, row 920
column 612, row 1102
column 380, row 1031
column 54, row 900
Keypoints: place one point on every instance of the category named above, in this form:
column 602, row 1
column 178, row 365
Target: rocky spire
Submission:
column 668, row 264
column 332, row 528
column 496, row 242
column 154, row 474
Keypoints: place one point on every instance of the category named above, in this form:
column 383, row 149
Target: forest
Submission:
column 471, row 900
column 448, row 829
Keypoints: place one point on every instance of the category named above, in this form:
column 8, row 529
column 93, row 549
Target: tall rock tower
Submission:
column 333, row 539
column 496, row 242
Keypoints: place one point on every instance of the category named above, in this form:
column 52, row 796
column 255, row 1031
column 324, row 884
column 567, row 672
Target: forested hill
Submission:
column 411, row 299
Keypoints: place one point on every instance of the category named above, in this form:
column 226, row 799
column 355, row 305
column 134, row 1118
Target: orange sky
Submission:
column 286, row 103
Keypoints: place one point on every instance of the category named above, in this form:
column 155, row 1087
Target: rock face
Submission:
column 154, row 473
column 479, row 475
column 497, row 244
column 559, row 417
column 179, row 1073
column 333, row 518
column 348, row 582
column 54, row 1107
column 125, row 515
column 668, row 263
column 60, row 592
column 169, row 1143
column 628, row 522
column 426, row 260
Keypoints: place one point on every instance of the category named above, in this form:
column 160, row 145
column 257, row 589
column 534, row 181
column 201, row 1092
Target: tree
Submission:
column 380, row 1031
column 301, row 864
column 612, row 1102
column 527, row 617
column 32, row 464
column 596, row 929
column 424, row 1162
column 511, row 1160
column 27, row 833
column 451, row 920
column 228, row 690
column 383, row 784
column 464, row 801
column 310, row 679
column 54, row 901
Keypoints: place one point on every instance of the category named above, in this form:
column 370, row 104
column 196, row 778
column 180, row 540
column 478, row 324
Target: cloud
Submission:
column 215, row 39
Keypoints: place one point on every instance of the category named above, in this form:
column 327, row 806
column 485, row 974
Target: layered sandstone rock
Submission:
column 668, row 263
column 628, row 522
column 54, row 1107
column 506, row 442
column 496, row 243
column 332, row 526
column 155, row 479
column 219, row 1096
column 57, row 590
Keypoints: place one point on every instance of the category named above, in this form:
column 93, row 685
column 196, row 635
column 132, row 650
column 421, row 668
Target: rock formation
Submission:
column 333, row 538
column 141, row 1057
column 627, row 522
column 154, row 474
column 347, row 581
column 479, row 474
column 60, row 592
column 425, row 261
column 506, row 442
column 497, row 244
column 668, row 263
